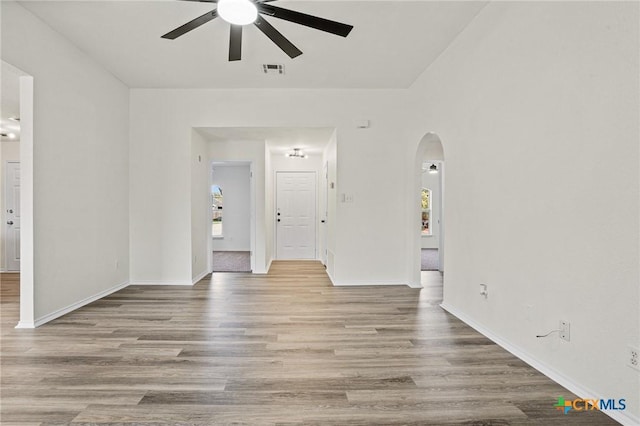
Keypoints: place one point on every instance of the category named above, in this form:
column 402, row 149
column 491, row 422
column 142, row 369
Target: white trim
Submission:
column 60, row 312
column 199, row 277
column 23, row 324
column 151, row 282
column 366, row 283
column 624, row 417
column 333, row 282
column 266, row 271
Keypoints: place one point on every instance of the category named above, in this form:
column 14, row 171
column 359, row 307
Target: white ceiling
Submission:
column 311, row 140
column 9, row 101
column 392, row 43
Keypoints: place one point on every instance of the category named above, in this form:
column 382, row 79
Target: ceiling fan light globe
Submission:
column 238, row 12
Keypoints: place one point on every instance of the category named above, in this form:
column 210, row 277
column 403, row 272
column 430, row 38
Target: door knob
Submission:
column 9, row 222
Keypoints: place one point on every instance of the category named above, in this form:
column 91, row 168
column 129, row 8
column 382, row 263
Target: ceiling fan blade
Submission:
column 276, row 37
column 316, row 22
column 235, row 43
column 191, row 25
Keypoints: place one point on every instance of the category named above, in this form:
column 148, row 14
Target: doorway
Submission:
column 17, row 117
column 230, row 195
column 431, row 212
column 12, row 216
column 295, row 215
column 428, row 212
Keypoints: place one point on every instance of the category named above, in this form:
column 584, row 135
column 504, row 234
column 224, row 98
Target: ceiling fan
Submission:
column 244, row 12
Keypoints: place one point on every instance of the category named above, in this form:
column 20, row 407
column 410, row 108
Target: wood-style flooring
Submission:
column 287, row 348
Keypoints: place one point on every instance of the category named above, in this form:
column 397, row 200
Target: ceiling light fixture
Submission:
column 296, row 154
column 238, row 12
column 433, row 169
column 244, row 12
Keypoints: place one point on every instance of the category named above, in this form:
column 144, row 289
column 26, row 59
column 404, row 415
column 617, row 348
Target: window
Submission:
column 216, row 211
column 426, row 211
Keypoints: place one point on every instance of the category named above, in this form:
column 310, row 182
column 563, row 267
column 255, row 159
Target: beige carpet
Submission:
column 430, row 260
column 231, row 261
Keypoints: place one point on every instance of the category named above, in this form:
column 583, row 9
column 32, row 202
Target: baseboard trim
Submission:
column 333, row 282
column 415, row 285
column 189, row 283
column 363, row 283
column 60, row 312
column 558, row 377
column 366, row 283
column 199, row 277
column 261, row 272
column 23, row 324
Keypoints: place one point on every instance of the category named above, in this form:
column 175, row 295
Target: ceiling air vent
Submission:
column 273, row 68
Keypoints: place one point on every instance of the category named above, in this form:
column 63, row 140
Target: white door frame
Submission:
column 252, row 212
column 324, row 214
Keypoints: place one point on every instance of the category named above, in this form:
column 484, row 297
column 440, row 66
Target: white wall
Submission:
column 432, row 182
column 80, row 158
column 269, row 206
column 9, row 151
column 234, row 181
column 530, row 101
column 161, row 121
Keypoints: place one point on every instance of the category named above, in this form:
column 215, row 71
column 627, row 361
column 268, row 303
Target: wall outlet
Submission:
column 633, row 358
column 565, row 330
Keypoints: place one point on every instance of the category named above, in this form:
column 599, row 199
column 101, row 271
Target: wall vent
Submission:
column 273, row 68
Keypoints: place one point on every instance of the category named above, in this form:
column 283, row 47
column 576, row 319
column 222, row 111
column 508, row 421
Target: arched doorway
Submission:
column 429, row 160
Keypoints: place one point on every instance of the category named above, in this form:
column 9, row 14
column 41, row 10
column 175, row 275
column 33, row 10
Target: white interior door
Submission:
column 296, row 215
column 12, row 215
